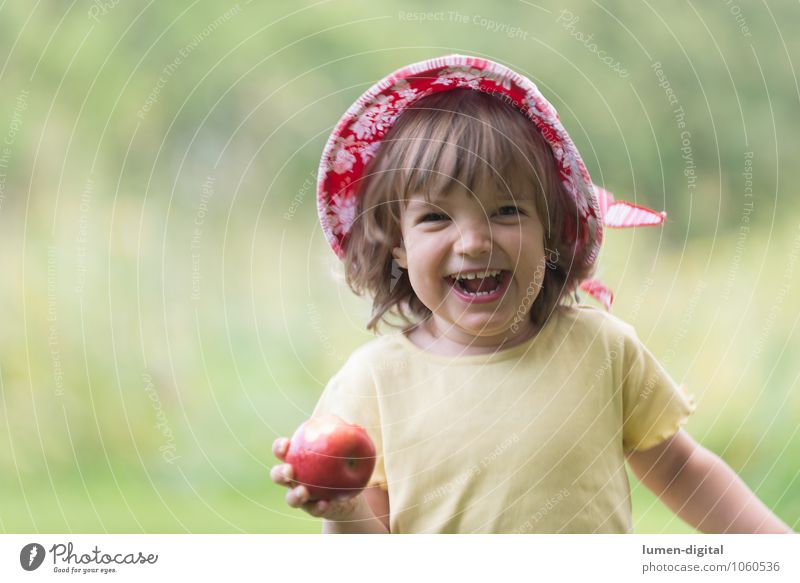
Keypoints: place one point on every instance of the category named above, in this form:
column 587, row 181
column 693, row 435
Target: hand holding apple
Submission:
column 333, row 459
column 299, row 496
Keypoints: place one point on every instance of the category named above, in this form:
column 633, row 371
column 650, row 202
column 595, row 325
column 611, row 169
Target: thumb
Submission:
column 279, row 448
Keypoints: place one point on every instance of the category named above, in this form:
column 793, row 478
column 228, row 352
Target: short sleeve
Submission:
column 654, row 406
column 351, row 395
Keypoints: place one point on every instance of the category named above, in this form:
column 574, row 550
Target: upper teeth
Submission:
column 490, row 273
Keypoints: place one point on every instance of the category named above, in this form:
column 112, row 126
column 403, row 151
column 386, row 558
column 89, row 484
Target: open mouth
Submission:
column 480, row 287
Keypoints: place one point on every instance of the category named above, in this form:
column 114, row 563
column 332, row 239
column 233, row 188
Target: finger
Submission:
column 279, row 447
column 316, row 507
column 296, row 497
column 282, row 474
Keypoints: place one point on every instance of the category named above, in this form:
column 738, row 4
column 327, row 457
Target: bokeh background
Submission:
column 169, row 303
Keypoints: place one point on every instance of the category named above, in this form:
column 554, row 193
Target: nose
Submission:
column 475, row 238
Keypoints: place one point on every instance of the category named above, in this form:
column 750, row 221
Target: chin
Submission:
column 488, row 330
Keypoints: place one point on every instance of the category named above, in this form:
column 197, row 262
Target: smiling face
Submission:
column 448, row 246
column 464, row 182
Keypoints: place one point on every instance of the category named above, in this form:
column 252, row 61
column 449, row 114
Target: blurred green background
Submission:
column 170, row 306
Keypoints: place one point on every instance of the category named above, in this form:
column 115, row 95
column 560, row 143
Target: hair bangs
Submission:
column 468, row 148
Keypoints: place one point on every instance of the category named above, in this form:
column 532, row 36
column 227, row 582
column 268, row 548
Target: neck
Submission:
column 449, row 340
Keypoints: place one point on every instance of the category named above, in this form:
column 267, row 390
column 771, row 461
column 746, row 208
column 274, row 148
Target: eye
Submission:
column 508, row 210
column 431, row 217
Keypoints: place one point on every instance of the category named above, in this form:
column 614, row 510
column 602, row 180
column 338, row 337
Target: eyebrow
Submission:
column 422, row 202
column 436, row 200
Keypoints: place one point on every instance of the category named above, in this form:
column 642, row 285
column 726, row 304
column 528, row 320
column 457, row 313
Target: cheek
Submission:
column 424, row 274
column 424, row 256
column 522, row 252
column 417, row 265
column 531, row 259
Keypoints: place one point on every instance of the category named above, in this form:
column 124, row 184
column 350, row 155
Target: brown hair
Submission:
column 467, row 139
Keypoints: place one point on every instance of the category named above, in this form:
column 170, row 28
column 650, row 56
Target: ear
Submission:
column 399, row 254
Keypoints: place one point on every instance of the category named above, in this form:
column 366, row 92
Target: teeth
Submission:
column 490, row 273
column 479, row 294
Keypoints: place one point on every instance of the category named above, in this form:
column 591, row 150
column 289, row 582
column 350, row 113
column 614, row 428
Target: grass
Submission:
column 145, row 366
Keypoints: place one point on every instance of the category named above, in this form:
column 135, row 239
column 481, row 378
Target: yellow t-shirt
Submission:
column 526, row 439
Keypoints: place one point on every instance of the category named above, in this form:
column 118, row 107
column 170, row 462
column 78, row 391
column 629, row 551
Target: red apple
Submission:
column 331, row 458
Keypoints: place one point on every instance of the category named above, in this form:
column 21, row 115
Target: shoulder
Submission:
column 596, row 323
column 369, row 370
column 388, row 345
column 383, row 353
column 593, row 331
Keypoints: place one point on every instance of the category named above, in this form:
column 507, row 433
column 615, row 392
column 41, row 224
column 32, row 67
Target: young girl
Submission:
column 458, row 201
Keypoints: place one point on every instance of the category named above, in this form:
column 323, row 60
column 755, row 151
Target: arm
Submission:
column 371, row 515
column 702, row 489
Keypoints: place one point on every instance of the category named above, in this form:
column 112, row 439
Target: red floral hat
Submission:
column 358, row 135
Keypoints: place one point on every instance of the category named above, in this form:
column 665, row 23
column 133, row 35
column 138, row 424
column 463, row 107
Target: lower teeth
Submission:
column 481, row 293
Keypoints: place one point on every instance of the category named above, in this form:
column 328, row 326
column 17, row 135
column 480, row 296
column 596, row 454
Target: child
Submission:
column 457, row 200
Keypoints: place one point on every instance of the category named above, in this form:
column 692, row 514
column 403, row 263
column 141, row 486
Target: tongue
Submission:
column 480, row 285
